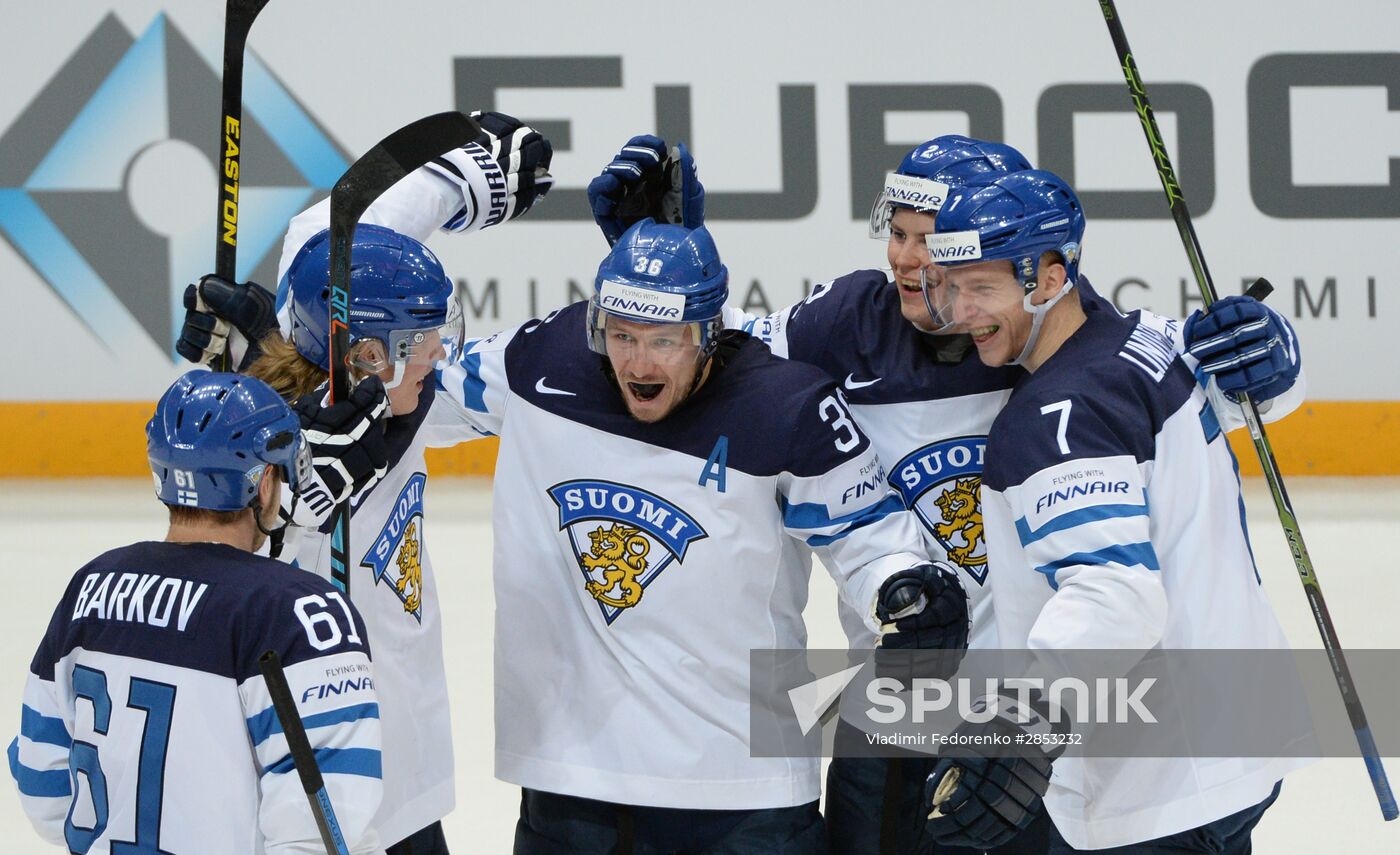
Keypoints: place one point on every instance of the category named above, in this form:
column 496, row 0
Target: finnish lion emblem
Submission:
column 619, row 555
column 961, row 521
column 410, row 582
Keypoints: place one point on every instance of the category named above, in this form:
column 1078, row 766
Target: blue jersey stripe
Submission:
column 1080, row 517
column 37, row 727
column 1128, row 554
column 1210, row 422
column 366, row 762
column 473, row 387
column 810, row 516
column 266, row 723
column 51, row 784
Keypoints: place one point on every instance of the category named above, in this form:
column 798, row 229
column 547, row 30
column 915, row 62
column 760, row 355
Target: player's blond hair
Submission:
column 290, row 374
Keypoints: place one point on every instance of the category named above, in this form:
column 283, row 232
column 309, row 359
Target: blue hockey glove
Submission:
column 985, row 801
column 646, row 179
column 923, row 607
column 508, row 155
column 211, row 307
column 1245, row 347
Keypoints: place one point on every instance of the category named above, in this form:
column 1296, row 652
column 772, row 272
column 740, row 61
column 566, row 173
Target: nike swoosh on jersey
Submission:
column 853, row 383
column 546, row 390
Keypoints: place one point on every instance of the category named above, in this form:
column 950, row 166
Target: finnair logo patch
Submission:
column 922, row 193
column 954, row 246
column 641, row 303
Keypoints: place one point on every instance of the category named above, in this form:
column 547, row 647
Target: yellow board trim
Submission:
column 103, row 439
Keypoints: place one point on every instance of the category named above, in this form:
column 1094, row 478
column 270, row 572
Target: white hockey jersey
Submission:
column 1114, row 521
column 392, row 578
column 393, row 586
column 636, row 565
column 146, row 720
column 927, row 413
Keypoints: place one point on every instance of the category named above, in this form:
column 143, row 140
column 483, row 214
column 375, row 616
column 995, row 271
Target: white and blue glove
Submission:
column 646, row 179
column 1245, row 346
column 502, row 174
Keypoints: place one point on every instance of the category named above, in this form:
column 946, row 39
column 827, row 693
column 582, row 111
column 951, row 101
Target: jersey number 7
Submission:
column 1063, row 408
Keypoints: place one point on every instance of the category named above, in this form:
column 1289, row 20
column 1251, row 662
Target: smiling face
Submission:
column 654, row 364
column 988, row 302
column 908, row 255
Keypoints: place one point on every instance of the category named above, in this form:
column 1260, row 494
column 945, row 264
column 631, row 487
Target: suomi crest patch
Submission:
column 941, row 483
column 399, row 547
column 623, row 537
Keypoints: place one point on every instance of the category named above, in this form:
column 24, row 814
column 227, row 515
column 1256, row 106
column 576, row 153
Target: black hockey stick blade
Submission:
column 394, row 157
column 366, row 180
column 377, row 170
column 238, row 20
column 302, row 757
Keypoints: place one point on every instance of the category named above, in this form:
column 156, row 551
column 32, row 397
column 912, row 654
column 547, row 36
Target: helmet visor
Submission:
column 904, row 191
column 626, row 341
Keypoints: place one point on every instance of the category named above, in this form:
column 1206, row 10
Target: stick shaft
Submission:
column 367, row 178
column 302, row 756
column 1292, row 532
column 238, row 20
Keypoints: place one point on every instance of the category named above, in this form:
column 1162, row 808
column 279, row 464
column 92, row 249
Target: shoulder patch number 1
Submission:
column 1061, row 407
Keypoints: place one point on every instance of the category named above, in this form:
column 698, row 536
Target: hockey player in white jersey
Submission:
column 656, row 478
column 404, row 319
column 146, row 724
column 926, row 402
column 1158, row 557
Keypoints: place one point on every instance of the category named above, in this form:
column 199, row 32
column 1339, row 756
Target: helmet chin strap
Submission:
column 1038, row 314
column 394, row 382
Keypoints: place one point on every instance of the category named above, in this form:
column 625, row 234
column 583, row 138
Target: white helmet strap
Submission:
column 1038, row 314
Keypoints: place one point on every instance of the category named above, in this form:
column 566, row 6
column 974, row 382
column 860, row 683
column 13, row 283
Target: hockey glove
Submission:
column 924, row 625
column 501, row 174
column 646, row 179
column 1245, row 346
column 217, row 310
column 984, row 801
column 923, row 607
column 347, row 444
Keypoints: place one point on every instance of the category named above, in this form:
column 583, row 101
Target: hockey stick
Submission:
column 1291, row 530
column 376, row 171
column 302, row 757
column 238, row 20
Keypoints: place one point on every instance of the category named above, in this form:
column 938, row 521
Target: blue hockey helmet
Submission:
column 661, row 274
column 212, row 436
column 398, row 295
column 932, row 169
column 1017, row 217
column 1014, row 217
